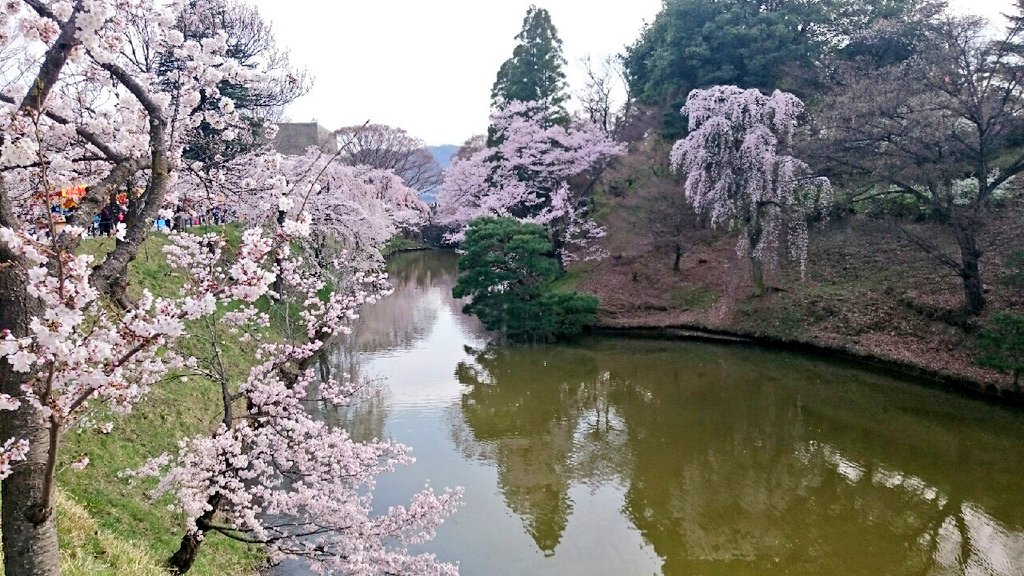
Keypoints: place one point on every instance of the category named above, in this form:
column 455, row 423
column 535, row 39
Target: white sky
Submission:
column 428, row 65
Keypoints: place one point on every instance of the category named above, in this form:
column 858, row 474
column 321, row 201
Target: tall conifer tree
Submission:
column 535, row 72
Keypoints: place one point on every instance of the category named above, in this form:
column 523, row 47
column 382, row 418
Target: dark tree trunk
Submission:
column 757, row 271
column 970, row 270
column 558, row 244
column 754, row 233
column 278, row 287
column 28, row 521
column 110, row 276
column 182, row 560
column 679, row 256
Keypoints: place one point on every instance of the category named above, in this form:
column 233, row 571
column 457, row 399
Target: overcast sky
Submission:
column 428, row 66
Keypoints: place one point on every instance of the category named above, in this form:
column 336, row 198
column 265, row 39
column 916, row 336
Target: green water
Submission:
column 646, row 457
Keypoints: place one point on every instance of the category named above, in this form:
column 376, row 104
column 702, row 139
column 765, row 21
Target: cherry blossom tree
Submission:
column 271, row 473
column 84, row 107
column 739, row 171
column 81, row 105
column 365, row 204
column 527, row 175
column 354, row 208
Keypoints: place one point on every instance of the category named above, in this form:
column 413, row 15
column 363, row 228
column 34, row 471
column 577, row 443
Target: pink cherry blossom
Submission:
column 526, row 175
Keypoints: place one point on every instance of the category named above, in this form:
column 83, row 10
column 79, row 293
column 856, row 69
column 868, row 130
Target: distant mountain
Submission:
column 443, row 153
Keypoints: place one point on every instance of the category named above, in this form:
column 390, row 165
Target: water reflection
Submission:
column 634, row 457
column 420, row 308
column 744, row 462
column 408, row 315
column 529, row 432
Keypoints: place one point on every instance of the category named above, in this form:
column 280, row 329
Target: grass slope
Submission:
column 108, row 526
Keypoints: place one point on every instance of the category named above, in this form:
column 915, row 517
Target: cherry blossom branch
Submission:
column 87, row 135
column 54, row 59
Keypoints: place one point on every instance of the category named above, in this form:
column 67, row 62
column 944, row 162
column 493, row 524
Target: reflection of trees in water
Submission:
column 422, row 287
column 438, row 270
column 737, row 461
column 398, row 321
column 711, row 473
column 748, row 473
column 742, row 462
column 366, row 415
column 949, row 535
column 601, row 444
column 538, row 414
column 469, row 325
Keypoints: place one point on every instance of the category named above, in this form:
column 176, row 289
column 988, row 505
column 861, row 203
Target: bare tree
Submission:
column 471, row 146
column 596, row 95
column 940, row 127
column 604, row 79
column 669, row 218
column 390, row 148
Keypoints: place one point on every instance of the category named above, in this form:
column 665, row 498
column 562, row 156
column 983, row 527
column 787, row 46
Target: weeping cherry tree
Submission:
column 739, row 172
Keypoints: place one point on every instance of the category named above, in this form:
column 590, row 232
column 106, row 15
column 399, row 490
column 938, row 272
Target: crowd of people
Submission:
column 186, row 215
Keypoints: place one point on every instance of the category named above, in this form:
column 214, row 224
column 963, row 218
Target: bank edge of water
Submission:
column 917, row 373
column 392, row 249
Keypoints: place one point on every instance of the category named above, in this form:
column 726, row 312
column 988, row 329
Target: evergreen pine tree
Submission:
column 507, row 271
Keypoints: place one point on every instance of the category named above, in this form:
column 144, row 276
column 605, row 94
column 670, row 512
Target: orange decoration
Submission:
column 68, row 197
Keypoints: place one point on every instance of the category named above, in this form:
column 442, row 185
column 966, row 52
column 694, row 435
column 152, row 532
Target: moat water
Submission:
column 631, row 457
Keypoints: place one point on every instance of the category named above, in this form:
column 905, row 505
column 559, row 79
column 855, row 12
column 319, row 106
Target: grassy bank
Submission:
column 108, row 526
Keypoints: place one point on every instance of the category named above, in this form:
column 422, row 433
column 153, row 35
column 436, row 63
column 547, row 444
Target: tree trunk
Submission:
column 558, row 245
column 970, row 271
column 754, row 233
column 109, row 277
column 182, row 560
column 757, row 271
column 679, row 256
column 278, row 287
column 27, row 518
